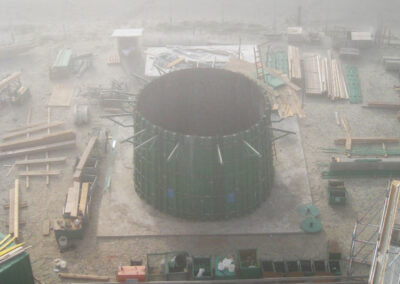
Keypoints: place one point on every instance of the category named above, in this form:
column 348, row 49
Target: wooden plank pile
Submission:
column 72, row 201
column 24, row 141
column 337, row 88
column 13, row 224
column 315, row 73
column 84, row 158
column 324, row 76
column 285, row 100
column 294, row 64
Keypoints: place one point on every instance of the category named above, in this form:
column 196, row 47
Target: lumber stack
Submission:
column 84, row 158
column 77, row 199
column 315, row 73
column 285, row 99
column 324, row 76
column 36, row 142
column 294, row 65
column 72, row 201
column 337, row 83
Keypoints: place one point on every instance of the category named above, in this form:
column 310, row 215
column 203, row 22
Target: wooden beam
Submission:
column 72, row 202
column 38, row 149
column 40, row 173
column 383, row 105
column 39, row 140
column 83, row 159
column 367, row 140
column 32, row 130
column 349, row 140
column 83, row 199
column 175, row 62
column 83, row 276
column 47, row 153
column 11, row 214
column 28, row 121
column 57, row 160
column 16, row 208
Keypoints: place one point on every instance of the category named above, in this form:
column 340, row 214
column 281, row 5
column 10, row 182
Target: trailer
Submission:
column 76, row 210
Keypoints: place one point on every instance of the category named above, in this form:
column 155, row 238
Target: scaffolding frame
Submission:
column 377, row 237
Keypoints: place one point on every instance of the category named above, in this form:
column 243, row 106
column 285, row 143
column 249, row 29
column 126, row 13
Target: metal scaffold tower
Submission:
column 372, row 235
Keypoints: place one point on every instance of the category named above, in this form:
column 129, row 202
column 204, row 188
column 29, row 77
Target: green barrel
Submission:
column 202, row 144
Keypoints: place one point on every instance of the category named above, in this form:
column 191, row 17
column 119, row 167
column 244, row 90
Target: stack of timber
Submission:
column 76, row 200
column 294, row 65
column 315, row 74
column 15, row 146
column 391, row 63
column 285, row 99
column 337, row 84
column 84, row 158
column 324, row 76
column 72, row 201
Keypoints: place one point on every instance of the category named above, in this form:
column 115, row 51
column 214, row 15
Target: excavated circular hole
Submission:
column 203, row 102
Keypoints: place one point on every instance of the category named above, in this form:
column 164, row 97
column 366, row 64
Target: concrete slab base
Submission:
column 124, row 214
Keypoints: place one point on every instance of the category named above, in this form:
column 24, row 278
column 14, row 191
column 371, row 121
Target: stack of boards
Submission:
column 76, row 201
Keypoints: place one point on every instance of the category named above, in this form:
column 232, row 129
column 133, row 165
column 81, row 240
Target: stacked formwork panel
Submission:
column 205, row 177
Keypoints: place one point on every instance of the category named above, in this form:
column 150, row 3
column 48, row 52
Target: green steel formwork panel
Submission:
column 183, row 176
column 278, row 60
column 353, row 85
column 63, row 59
column 16, row 270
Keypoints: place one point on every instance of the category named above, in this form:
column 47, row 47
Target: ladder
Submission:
column 259, row 64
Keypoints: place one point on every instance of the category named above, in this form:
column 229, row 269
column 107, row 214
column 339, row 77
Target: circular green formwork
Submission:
column 311, row 225
column 308, row 210
column 206, row 171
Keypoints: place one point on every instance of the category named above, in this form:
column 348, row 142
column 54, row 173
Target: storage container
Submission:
column 249, row 265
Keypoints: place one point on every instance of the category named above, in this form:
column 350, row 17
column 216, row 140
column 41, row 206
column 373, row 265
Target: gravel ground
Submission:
column 86, row 27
